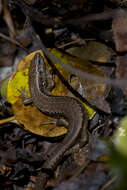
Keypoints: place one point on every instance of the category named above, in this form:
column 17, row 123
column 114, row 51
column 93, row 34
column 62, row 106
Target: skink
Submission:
column 58, row 107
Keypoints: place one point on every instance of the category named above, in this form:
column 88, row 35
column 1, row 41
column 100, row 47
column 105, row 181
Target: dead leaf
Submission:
column 32, row 119
column 93, row 51
column 91, row 90
column 94, row 92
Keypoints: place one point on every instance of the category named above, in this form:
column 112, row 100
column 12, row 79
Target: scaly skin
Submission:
column 57, row 107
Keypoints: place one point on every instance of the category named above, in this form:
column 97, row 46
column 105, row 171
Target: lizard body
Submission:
column 58, row 107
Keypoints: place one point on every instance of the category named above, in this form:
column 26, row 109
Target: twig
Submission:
column 11, row 40
column 10, row 119
column 109, row 183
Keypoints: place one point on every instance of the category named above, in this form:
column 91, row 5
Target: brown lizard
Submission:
column 60, row 107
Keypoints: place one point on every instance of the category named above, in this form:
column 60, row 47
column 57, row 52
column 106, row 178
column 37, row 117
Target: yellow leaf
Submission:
column 29, row 116
column 32, row 119
column 16, row 85
column 18, row 82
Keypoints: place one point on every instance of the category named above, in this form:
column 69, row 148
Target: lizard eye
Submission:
column 44, row 83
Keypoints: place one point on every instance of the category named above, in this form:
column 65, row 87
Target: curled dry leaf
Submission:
column 93, row 91
column 86, row 66
column 93, row 51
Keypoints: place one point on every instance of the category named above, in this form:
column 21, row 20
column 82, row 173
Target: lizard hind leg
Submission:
column 58, row 122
